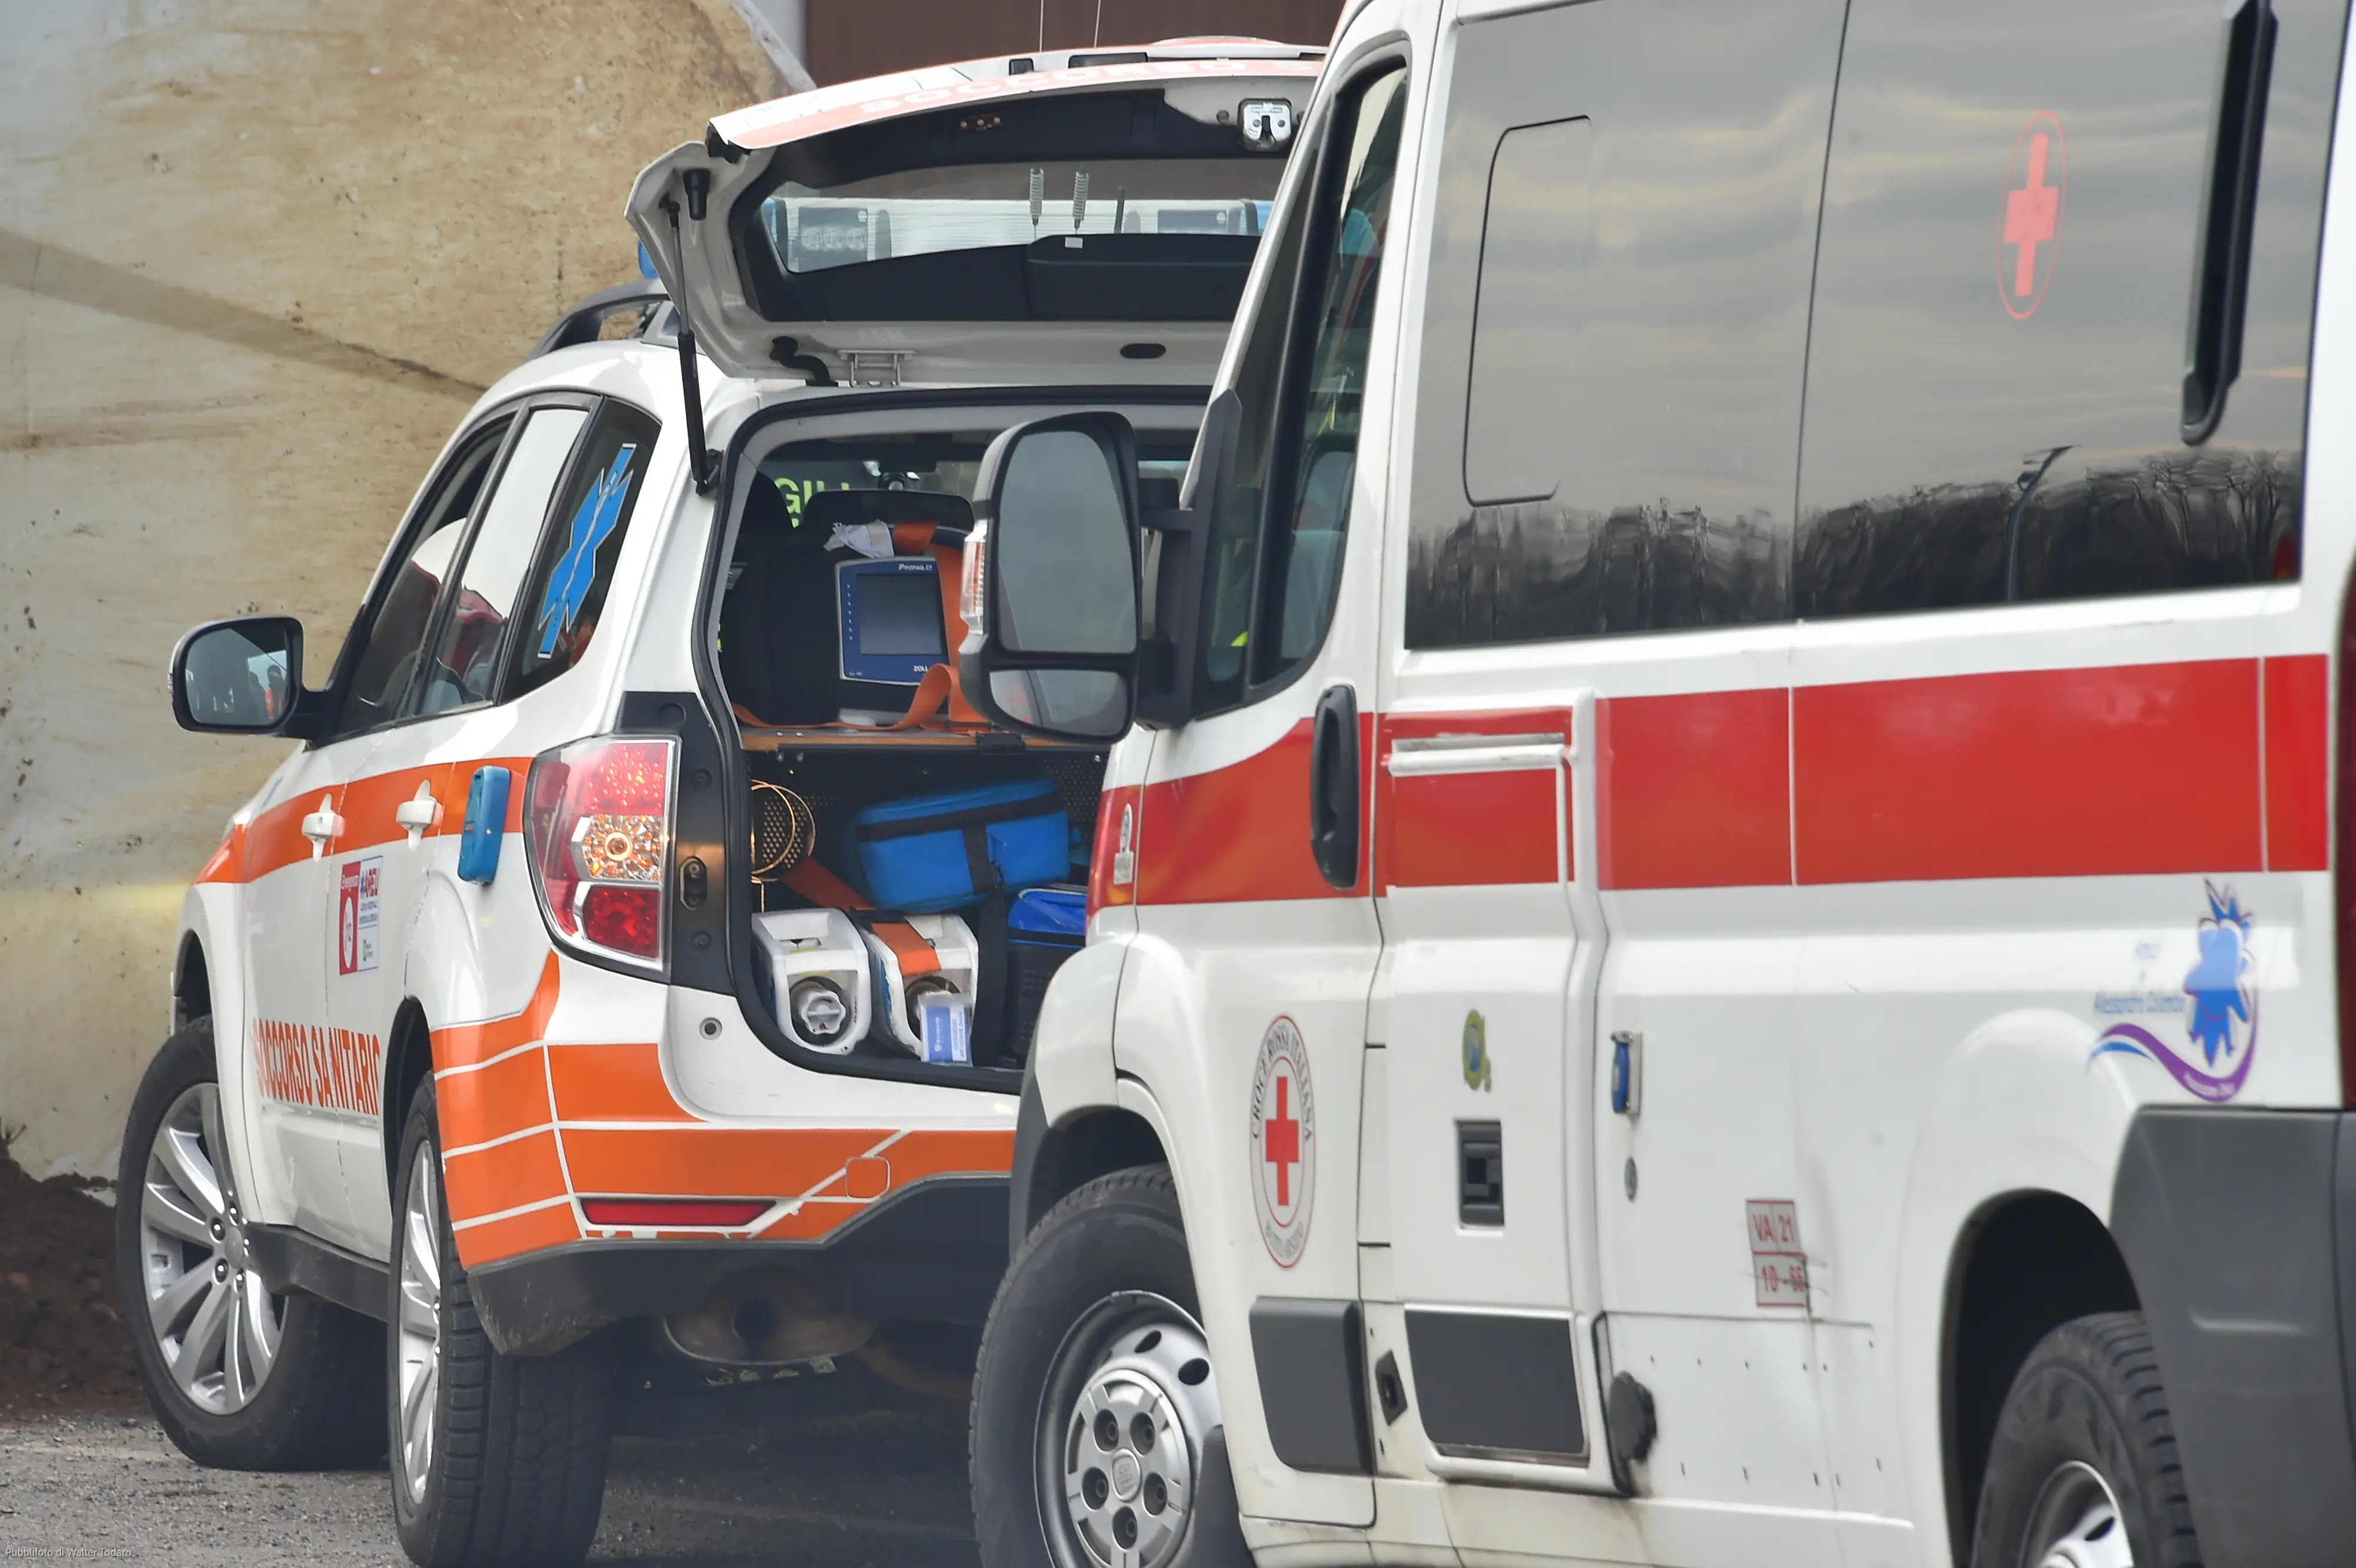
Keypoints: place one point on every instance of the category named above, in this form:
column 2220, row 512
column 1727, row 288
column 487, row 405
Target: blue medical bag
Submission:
column 953, row 848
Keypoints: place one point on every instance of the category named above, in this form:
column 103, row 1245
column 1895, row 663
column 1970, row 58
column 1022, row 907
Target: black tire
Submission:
column 1119, row 1236
column 517, row 1468
column 318, row 1406
column 2087, row 1400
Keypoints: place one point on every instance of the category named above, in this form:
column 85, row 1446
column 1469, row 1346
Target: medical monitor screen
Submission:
column 900, row 614
column 891, row 619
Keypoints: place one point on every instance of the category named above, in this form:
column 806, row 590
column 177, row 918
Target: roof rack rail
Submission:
column 585, row 322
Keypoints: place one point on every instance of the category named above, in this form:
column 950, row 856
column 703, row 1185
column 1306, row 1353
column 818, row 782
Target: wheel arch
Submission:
column 1053, row 1162
column 192, row 984
column 2025, row 1263
column 408, row 1062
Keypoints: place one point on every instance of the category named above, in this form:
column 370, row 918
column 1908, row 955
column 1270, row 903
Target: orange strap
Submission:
column 938, row 686
column 915, row 954
column 823, row 887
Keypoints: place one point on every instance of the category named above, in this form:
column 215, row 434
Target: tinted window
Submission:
column 566, row 594
column 1607, row 428
column 391, row 635
column 1279, row 519
column 2010, row 239
column 464, row 668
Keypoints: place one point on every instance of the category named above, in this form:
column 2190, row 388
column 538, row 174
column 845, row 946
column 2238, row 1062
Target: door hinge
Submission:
column 873, row 366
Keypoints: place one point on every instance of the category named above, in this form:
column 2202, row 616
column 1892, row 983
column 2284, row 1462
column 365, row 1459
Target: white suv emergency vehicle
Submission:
column 624, row 987
column 1723, row 941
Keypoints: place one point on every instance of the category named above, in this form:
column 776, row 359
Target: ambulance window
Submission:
column 1301, row 376
column 583, row 540
column 1614, row 336
column 391, row 633
column 465, row 664
column 1993, row 405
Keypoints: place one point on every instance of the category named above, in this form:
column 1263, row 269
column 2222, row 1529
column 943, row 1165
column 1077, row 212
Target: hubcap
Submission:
column 420, row 1329
column 1125, row 1457
column 2076, row 1523
column 215, row 1321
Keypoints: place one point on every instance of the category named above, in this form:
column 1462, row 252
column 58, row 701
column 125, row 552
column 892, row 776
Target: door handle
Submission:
column 1334, row 787
column 321, row 825
column 420, row 814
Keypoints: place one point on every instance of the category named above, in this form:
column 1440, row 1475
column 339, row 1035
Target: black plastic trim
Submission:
column 1312, row 1359
column 1496, row 1385
column 1029, row 1135
column 290, row 1260
column 2239, row 1245
column 929, row 1251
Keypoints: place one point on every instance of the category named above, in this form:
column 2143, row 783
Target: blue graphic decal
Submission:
column 568, row 585
column 2221, row 1013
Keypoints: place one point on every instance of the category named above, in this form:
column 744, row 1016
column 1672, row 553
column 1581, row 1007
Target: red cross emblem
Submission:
column 1283, row 1142
column 1280, row 1142
column 2030, row 243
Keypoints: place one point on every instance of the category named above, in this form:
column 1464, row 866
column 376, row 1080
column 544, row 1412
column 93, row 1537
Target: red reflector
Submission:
column 627, row 919
column 642, row 1213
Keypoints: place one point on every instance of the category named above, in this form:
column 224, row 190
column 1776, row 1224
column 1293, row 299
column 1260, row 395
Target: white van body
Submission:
column 1841, row 729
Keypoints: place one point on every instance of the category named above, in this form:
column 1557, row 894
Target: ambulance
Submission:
column 620, row 995
column 1725, row 938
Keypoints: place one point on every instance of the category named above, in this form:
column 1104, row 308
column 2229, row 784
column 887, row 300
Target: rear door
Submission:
column 409, row 796
column 1045, row 220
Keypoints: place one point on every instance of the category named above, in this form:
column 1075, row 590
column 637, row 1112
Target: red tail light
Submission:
column 598, row 820
column 640, row 1213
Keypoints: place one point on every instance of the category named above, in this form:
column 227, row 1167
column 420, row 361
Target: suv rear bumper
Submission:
column 2240, row 1229
column 932, row 1251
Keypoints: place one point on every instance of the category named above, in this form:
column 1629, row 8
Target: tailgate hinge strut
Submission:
column 702, row 464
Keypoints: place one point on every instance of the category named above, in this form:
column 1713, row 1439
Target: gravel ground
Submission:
column 843, row 1492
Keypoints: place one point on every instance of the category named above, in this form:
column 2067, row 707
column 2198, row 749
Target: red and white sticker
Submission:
column 1283, row 1142
column 1779, row 1268
column 358, row 914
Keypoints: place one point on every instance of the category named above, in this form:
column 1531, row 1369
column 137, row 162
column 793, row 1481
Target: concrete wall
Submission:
column 256, row 258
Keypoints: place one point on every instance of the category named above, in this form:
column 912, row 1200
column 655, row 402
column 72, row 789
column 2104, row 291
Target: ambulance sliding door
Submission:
column 1582, row 843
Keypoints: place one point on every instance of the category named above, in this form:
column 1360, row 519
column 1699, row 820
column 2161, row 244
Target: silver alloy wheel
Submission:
column 419, row 1329
column 1129, row 1451
column 213, row 1318
column 2076, row 1523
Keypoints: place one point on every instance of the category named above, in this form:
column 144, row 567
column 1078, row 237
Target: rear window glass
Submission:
column 924, row 211
column 946, row 464
column 1086, row 207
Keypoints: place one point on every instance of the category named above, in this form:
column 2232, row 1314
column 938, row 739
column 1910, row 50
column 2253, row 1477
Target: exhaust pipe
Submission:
column 770, row 1319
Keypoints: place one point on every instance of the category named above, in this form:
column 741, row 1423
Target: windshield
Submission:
column 924, row 211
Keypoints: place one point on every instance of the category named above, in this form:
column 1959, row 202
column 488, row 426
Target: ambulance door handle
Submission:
column 420, row 814
column 1334, row 787
column 322, row 825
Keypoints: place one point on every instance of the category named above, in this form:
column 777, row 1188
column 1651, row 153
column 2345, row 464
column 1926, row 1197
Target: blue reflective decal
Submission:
column 568, row 585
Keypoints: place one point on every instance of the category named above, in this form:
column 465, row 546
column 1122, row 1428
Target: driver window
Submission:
column 1279, row 519
column 392, row 635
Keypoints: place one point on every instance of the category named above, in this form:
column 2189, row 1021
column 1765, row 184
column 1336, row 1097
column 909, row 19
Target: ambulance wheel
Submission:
column 1096, row 1433
column 2083, row 1471
column 496, row 1460
column 239, row 1379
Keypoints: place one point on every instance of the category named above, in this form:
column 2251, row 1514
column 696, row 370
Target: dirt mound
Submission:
column 62, row 1346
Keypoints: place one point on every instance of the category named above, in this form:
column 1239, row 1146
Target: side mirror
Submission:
column 238, row 677
column 1051, row 579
